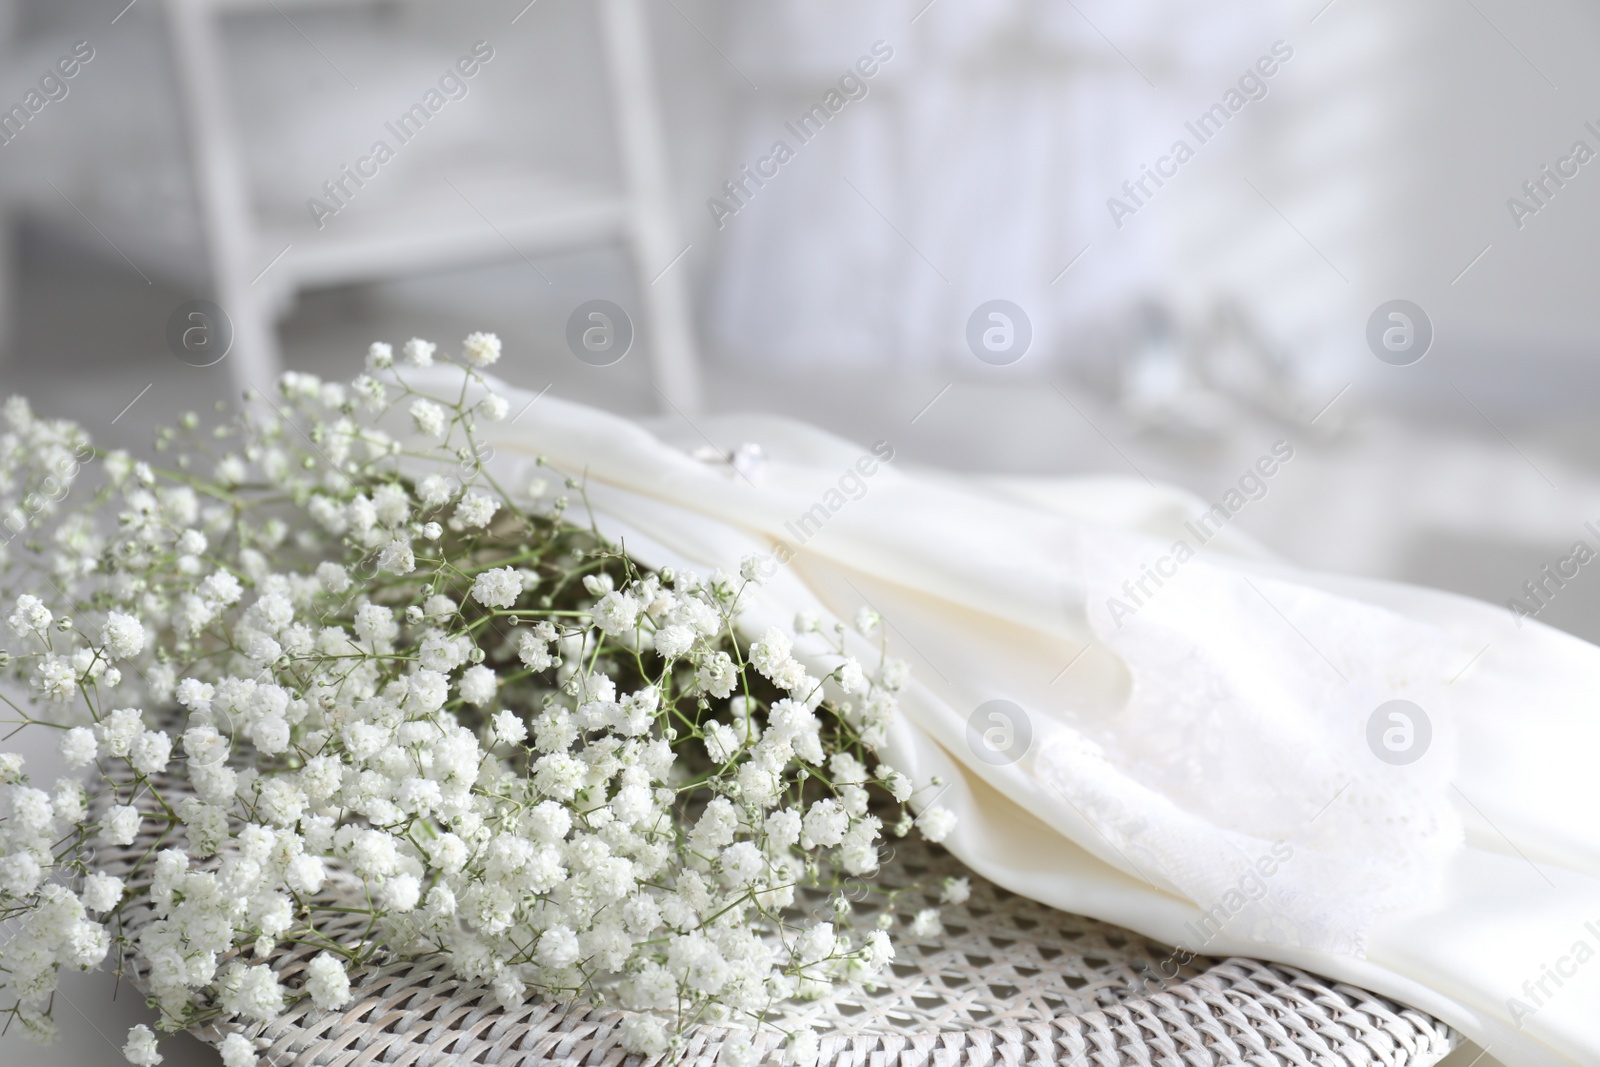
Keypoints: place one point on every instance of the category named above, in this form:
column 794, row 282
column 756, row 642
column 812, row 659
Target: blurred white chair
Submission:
column 259, row 260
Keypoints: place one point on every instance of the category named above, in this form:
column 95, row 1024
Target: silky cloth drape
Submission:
column 1199, row 770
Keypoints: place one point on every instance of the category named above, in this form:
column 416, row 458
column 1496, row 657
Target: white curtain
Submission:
column 981, row 162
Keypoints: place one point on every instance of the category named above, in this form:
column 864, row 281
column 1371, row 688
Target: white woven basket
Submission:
column 1009, row 982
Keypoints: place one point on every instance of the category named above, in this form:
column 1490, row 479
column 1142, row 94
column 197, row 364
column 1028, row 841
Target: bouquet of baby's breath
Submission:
column 276, row 659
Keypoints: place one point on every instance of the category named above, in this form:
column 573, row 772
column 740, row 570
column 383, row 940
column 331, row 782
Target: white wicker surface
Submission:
column 1009, row 982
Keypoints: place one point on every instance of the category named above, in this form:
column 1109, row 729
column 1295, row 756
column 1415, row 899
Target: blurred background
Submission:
column 1013, row 237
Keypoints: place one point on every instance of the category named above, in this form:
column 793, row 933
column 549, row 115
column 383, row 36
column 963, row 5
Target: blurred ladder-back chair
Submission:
column 541, row 215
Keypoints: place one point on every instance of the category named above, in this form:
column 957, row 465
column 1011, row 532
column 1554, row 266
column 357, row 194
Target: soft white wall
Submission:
column 1391, row 141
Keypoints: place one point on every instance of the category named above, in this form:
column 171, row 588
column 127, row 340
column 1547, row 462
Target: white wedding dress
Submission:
column 1210, row 755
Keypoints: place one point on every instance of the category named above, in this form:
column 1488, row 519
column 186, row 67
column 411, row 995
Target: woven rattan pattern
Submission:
column 1009, row 982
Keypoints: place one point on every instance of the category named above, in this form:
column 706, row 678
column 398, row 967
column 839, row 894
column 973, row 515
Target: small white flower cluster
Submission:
column 565, row 774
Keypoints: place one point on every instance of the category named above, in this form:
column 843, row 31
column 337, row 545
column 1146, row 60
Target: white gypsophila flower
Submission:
column 698, row 615
column 31, row 810
column 509, row 989
column 447, row 852
column 85, row 945
column 852, row 679
column 252, row 992
column 278, row 802
column 801, row 1049
column 742, row 863
column 476, row 509
column 672, row 642
column 333, row 395
column 419, row 353
column 372, row 392
column 120, row 825
column 817, row 943
column 79, row 747
column 373, row 854
column 824, row 824
column 481, row 349
column 790, row 675
column 426, row 692
column 259, row 648
column 899, row 785
column 533, row 648
column 401, row 893
column 756, row 568
column 428, row 418
column 616, row 613
column 879, row 949
column 69, row 801
column 783, row 829
column 397, row 558
column 857, row 853
column 305, row 874
column 221, row 588
column 845, row 769
column 771, row 651
column 508, row 729
column 558, row 947
column 478, row 685
column 558, row 775
column 896, row 673
column 737, row 1051
column 295, row 385
column 150, row 751
column 20, row 874
column 936, row 823
column 553, row 730
column 439, row 605
column 195, row 694
column 376, row 625
column 124, row 636
column 926, row 924
column 645, row 1035
column 391, row 504
column 237, row 1051
column 29, row 616
column 231, row 470
column 497, row 588
column 436, row 490
column 717, row 674
column 955, row 891
column 101, row 892
column 140, row 1048
column 494, row 407
column 327, row 982
column 334, row 578
column 117, row 730
column 359, row 515
column 441, row 652
column 380, row 355
column 721, row 742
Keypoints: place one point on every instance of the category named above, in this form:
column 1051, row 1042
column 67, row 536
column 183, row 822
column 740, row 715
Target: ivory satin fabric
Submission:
column 1169, row 755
